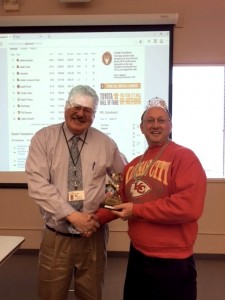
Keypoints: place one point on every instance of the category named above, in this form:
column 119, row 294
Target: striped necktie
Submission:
column 75, row 169
column 75, row 181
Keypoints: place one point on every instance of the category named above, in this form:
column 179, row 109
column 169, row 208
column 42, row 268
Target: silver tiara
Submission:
column 158, row 102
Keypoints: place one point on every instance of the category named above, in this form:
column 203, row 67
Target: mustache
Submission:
column 79, row 118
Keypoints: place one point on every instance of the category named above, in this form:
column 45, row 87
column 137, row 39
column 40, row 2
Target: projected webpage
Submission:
column 37, row 72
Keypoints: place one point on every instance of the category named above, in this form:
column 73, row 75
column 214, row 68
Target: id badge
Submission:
column 76, row 196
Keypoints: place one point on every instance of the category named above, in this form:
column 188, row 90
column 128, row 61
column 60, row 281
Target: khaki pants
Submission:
column 63, row 257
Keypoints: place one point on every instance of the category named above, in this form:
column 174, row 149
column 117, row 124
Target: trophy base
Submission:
column 107, row 206
column 110, row 207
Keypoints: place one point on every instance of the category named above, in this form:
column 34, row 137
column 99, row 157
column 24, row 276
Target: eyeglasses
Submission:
column 87, row 111
column 152, row 121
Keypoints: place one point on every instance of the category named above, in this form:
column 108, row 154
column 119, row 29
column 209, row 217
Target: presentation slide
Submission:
column 38, row 69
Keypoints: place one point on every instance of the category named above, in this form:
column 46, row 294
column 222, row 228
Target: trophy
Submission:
column 112, row 196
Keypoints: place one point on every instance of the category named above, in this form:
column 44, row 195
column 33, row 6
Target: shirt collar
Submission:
column 69, row 134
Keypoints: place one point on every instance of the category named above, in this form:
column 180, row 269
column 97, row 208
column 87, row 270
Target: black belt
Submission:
column 73, row 235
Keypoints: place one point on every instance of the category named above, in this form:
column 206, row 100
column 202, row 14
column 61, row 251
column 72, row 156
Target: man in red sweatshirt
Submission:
column 163, row 192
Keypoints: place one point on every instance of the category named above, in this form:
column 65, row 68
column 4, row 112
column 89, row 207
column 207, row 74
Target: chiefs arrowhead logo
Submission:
column 140, row 188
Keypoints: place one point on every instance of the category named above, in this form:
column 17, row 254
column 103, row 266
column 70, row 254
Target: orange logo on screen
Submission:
column 107, row 58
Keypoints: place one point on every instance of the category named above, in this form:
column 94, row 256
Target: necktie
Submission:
column 75, row 169
column 75, row 177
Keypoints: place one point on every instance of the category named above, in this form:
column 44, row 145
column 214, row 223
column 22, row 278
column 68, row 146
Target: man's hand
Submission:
column 89, row 233
column 123, row 211
column 84, row 222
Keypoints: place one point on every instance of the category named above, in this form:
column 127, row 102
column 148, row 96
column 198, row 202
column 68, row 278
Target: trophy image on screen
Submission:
column 112, row 196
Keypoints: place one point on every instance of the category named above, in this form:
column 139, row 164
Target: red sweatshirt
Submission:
column 168, row 201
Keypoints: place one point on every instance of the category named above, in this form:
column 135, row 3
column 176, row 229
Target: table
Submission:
column 8, row 245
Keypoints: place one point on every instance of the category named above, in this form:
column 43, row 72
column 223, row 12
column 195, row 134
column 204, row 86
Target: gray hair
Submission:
column 82, row 90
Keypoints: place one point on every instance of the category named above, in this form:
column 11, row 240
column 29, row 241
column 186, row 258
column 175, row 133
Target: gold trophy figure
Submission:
column 112, row 196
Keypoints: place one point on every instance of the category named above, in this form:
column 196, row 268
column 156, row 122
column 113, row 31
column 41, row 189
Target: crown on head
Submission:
column 158, row 102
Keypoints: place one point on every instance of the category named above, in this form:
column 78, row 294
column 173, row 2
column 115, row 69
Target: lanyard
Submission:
column 83, row 141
